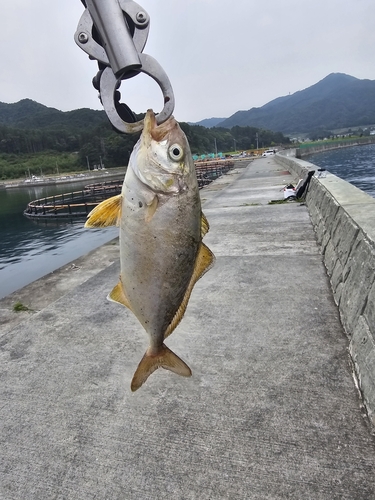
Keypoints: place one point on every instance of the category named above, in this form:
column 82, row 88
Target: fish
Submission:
column 162, row 254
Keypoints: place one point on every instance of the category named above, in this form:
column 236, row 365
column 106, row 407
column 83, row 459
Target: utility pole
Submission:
column 215, row 147
column 88, row 163
column 256, row 136
column 235, row 145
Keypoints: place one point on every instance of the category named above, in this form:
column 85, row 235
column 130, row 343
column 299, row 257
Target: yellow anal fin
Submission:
column 118, row 295
column 107, row 213
column 204, row 225
column 151, row 209
column 205, row 260
column 164, row 358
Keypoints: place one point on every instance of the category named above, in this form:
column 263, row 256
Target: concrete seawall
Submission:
column 343, row 217
column 319, row 147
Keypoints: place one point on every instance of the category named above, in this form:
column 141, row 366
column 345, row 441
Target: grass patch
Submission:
column 18, row 307
column 281, row 202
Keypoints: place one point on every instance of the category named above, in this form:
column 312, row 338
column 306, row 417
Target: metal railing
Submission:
column 78, row 204
column 209, row 171
column 74, row 204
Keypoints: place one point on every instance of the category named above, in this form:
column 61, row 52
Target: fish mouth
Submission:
column 149, row 122
column 157, row 132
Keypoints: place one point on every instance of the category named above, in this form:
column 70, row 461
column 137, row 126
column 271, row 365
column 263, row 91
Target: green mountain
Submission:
column 337, row 101
column 27, row 114
column 209, row 122
column 36, row 138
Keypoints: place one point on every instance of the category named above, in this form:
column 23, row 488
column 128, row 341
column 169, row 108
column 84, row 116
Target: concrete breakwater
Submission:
column 308, row 149
column 270, row 412
column 343, row 217
column 98, row 176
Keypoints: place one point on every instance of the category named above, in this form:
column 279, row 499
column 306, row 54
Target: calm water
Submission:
column 355, row 165
column 29, row 250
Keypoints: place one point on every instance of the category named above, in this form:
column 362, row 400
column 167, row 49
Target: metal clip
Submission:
column 117, row 47
column 115, row 33
column 109, row 84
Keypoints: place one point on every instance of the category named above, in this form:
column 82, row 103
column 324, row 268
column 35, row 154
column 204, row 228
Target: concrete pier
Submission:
column 343, row 218
column 271, row 412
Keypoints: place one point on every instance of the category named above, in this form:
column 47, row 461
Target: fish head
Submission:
column 161, row 159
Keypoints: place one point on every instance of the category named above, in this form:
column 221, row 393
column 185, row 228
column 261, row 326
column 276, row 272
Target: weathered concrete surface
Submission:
column 344, row 221
column 42, row 292
column 271, row 411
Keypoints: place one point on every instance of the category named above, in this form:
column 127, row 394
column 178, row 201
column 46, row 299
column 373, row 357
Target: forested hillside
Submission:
column 35, row 139
column 337, row 101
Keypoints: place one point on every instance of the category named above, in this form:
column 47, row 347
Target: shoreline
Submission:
column 310, row 149
column 68, row 179
column 79, row 177
column 41, row 292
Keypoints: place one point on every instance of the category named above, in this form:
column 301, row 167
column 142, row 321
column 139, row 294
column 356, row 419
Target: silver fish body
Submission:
column 161, row 230
column 158, row 256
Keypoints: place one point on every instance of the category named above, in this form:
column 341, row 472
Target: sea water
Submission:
column 355, row 164
column 31, row 249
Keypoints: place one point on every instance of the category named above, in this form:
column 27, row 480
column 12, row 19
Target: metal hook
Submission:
column 114, row 33
column 109, row 83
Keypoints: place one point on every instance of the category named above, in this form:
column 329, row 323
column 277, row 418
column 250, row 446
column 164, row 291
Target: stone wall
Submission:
column 343, row 217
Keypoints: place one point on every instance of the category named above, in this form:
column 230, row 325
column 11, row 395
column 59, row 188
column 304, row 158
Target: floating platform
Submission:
column 78, row 204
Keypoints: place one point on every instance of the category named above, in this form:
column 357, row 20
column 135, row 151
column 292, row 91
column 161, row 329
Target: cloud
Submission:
column 219, row 57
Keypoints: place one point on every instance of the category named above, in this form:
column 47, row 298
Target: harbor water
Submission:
column 31, row 249
column 354, row 164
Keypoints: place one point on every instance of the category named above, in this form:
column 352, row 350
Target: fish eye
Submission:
column 176, row 152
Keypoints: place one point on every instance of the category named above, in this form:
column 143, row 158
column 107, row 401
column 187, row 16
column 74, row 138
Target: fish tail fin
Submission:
column 164, row 358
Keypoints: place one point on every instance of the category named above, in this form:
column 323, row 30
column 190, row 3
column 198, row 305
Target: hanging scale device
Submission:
column 115, row 32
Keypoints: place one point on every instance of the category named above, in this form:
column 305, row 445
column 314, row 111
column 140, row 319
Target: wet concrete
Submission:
column 271, row 412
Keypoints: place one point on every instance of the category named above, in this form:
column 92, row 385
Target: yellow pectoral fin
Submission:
column 118, row 295
column 107, row 213
column 205, row 260
column 151, row 209
column 204, row 225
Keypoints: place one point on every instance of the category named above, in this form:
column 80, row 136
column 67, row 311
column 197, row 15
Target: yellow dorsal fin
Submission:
column 205, row 260
column 151, row 208
column 118, row 295
column 204, row 225
column 107, row 213
column 150, row 362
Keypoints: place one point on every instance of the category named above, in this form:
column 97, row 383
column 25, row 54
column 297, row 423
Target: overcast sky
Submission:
column 220, row 56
